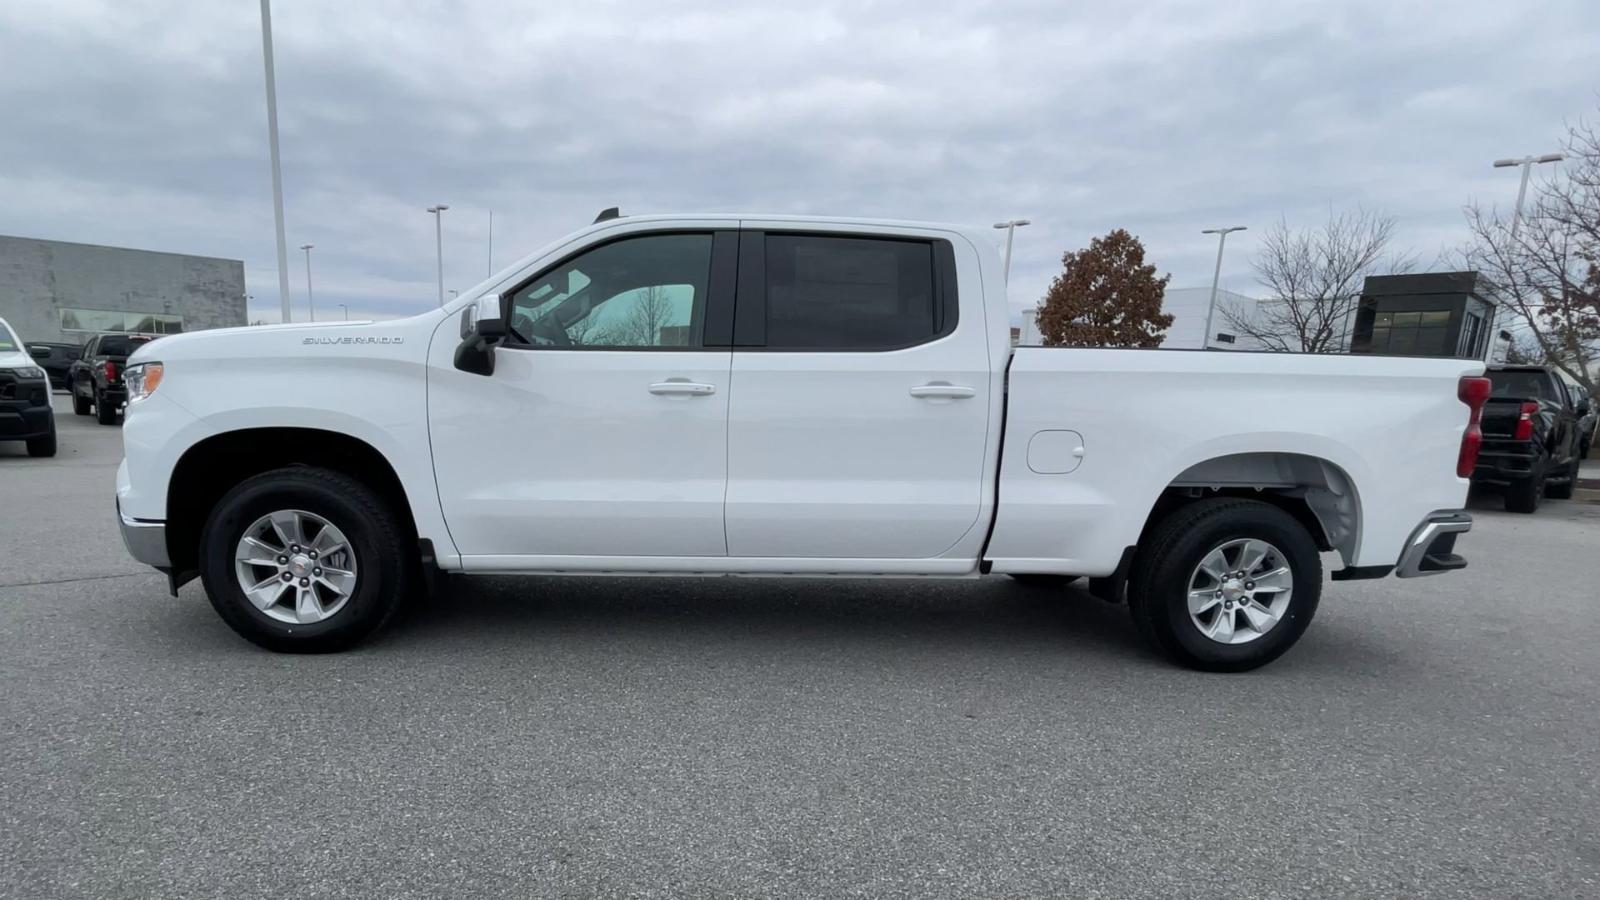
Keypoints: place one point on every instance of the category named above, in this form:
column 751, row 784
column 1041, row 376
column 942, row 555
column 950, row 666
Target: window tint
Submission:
column 1417, row 333
column 647, row 291
column 117, row 345
column 1520, row 385
column 831, row 293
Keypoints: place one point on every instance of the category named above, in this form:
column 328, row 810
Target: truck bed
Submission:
column 1093, row 437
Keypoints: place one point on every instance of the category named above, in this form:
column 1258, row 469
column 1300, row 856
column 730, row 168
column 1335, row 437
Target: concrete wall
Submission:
column 39, row 278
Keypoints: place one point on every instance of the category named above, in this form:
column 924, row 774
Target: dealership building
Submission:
column 60, row 292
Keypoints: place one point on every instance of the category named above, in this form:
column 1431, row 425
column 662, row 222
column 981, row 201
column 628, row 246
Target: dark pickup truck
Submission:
column 95, row 378
column 1531, row 436
column 56, row 360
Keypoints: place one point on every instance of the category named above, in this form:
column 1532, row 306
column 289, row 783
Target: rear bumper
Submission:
column 1504, row 464
column 1431, row 548
column 146, row 540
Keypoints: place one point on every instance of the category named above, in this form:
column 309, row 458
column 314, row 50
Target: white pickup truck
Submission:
column 779, row 396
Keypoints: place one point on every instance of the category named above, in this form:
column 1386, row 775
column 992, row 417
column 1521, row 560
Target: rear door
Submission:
column 860, row 398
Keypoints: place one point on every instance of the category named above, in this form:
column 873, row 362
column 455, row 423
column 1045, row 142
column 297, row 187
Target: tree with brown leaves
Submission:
column 1105, row 296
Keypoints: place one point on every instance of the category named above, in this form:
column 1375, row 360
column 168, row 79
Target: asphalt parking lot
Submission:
column 667, row 737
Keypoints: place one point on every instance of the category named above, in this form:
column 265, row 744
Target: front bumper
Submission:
column 1431, row 548
column 24, row 409
column 146, row 540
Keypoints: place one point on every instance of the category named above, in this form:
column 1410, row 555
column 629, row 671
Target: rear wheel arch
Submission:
column 1317, row 492
column 212, row 467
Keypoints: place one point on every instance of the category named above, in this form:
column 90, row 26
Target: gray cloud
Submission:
column 145, row 127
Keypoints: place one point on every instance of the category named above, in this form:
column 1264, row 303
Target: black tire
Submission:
column 43, row 446
column 385, row 567
column 1524, row 496
column 104, row 413
column 80, row 405
column 1159, row 585
column 1563, row 490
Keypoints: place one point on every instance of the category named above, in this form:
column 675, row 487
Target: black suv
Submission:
column 95, row 378
column 1532, row 440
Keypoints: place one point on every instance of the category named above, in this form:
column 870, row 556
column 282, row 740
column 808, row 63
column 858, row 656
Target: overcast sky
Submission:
column 142, row 124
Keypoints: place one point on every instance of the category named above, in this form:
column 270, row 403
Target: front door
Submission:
column 860, row 402
column 603, row 430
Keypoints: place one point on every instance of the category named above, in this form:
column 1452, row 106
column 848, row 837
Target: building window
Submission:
column 1411, row 333
column 1470, row 346
column 95, row 321
column 1225, row 338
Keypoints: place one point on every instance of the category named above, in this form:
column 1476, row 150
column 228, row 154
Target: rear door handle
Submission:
column 683, row 387
column 943, row 391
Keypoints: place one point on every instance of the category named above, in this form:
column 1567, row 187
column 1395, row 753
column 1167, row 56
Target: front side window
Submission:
column 641, row 292
column 846, row 293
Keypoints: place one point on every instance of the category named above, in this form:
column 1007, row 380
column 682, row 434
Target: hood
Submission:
column 15, row 359
column 290, row 340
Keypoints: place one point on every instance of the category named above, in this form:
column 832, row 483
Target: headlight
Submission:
column 142, row 380
column 27, row 372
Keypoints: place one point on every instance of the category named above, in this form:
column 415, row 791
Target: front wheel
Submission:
column 304, row 560
column 1225, row 585
column 43, row 446
column 1568, row 483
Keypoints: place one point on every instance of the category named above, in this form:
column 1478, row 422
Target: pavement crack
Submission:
column 10, row 584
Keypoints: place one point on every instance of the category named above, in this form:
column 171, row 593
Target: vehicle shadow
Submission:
column 970, row 615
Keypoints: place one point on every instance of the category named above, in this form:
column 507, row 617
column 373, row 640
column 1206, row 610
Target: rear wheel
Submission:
column 1524, row 496
column 304, row 560
column 1225, row 585
column 104, row 412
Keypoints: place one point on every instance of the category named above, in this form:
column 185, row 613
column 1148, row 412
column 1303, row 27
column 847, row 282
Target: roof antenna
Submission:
column 610, row 212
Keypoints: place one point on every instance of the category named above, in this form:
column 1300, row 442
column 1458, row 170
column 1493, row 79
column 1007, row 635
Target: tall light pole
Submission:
column 1211, row 308
column 1527, row 163
column 272, row 144
column 1011, row 230
column 491, row 243
column 309, row 300
column 438, row 235
column 346, row 311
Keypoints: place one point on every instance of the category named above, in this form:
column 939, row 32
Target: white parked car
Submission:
column 25, row 411
column 780, row 396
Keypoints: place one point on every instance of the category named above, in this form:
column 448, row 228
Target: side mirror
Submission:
column 483, row 325
column 39, row 352
column 1584, row 406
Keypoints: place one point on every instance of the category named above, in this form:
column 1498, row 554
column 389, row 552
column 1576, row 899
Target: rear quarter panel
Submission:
column 1392, row 425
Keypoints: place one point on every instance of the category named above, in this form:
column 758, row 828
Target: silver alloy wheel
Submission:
column 1240, row 590
column 295, row 566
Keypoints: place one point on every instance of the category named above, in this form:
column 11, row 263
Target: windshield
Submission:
column 119, row 345
column 8, row 339
column 1524, row 385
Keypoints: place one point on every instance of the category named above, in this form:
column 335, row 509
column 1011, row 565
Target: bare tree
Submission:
column 1547, row 276
column 1313, row 279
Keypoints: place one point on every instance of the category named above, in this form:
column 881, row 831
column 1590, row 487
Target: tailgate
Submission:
column 1500, row 416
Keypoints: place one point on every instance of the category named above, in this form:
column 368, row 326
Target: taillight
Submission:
column 1474, row 392
column 111, row 370
column 1525, row 421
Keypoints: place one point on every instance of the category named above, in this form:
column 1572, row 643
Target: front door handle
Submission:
column 939, row 390
column 685, row 388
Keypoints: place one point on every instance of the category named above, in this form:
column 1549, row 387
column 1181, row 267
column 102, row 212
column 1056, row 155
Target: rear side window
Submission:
column 849, row 293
